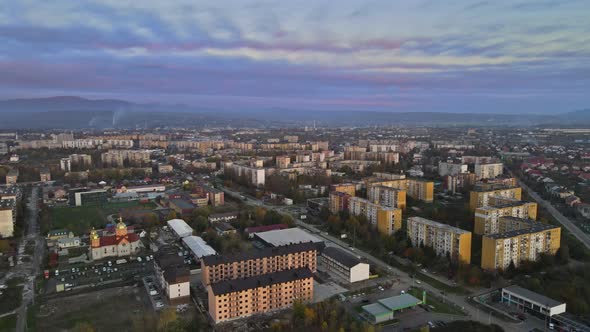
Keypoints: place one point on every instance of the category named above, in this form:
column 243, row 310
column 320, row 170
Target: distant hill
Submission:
column 69, row 112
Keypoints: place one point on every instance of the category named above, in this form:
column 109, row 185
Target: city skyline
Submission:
column 429, row 56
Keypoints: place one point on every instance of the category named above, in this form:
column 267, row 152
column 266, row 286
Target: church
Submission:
column 115, row 241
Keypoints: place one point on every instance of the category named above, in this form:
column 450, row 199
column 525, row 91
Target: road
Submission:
column 30, row 270
column 459, row 300
column 565, row 222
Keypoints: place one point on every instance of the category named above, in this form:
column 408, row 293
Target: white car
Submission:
column 3, row 286
column 159, row 304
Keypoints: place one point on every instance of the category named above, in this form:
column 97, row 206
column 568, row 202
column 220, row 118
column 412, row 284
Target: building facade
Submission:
column 233, row 299
column 480, row 197
column 345, row 266
column 386, row 219
column 387, row 196
column 444, row 239
column 113, row 243
column 499, row 250
column 216, row 268
column 487, row 218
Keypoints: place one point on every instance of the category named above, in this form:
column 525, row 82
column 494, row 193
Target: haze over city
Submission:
column 398, row 56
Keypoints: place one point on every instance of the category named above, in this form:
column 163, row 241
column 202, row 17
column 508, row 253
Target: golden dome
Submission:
column 121, row 224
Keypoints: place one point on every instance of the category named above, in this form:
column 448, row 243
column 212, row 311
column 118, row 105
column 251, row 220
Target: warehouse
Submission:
column 180, row 228
column 531, row 302
column 284, row 237
column 198, row 247
column 343, row 265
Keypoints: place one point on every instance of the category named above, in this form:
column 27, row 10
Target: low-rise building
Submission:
column 198, row 247
column 68, row 242
column 114, row 241
column 443, row 238
column 345, row 266
column 223, row 217
column 180, row 228
column 531, row 302
column 7, row 217
column 232, row 299
column 12, row 177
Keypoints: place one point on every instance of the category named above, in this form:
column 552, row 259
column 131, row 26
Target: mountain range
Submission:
column 69, row 112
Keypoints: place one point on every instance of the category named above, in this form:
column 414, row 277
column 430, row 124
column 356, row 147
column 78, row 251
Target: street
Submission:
column 458, row 300
column 565, row 222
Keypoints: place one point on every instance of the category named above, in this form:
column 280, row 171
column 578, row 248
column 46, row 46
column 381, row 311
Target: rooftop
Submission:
column 535, row 228
column 266, row 252
column 230, row 286
column 341, row 256
column 438, row 225
column 399, row 302
column 198, row 246
column 535, row 297
column 283, row 237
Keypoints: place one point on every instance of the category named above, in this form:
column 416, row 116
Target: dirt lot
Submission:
column 107, row 310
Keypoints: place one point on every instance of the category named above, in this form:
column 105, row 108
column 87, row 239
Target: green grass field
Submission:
column 80, row 219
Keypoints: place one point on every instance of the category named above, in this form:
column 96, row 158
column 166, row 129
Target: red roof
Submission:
column 265, row 228
column 112, row 240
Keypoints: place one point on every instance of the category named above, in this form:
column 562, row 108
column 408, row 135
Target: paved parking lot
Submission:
column 95, row 274
column 154, row 293
column 326, row 290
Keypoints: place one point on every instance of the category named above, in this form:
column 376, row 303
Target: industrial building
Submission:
column 180, row 228
column 342, row 264
column 198, row 246
column 282, row 237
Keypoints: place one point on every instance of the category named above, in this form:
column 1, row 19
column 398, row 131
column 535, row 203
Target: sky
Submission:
column 529, row 56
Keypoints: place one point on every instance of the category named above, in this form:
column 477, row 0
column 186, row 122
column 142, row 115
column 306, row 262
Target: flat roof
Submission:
column 376, row 309
column 535, row 228
column 439, row 225
column 257, row 254
column 237, row 285
column 532, row 296
column 399, row 302
column 281, row 237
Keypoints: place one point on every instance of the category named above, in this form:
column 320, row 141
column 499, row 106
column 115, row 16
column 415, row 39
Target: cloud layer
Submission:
column 461, row 56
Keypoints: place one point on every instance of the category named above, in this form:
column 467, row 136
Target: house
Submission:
column 572, row 200
column 173, row 276
column 68, row 242
column 225, row 217
column 223, row 228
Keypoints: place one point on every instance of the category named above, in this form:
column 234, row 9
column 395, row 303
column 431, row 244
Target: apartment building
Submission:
column 386, row 219
column 12, row 177
column 216, row 268
column 65, row 164
column 488, row 171
column 255, row 175
column 519, row 245
column 232, row 299
column 117, row 158
column 173, row 276
column 339, row 201
column 44, row 174
column 387, row 196
column 444, row 239
column 453, row 169
column 348, row 188
column 416, row 188
column 479, row 197
column 7, row 217
column 487, row 218
column 283, row 161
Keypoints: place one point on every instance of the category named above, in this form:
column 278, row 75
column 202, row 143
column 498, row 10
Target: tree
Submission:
column 83, row 327
column 563, row 254
column 172, row 215
column 310, row 316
